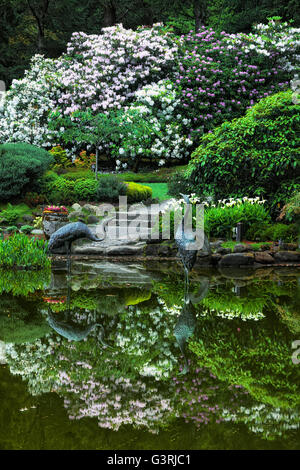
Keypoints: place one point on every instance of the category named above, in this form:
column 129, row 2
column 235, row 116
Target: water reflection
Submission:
column 186, row 322
column 235, row 368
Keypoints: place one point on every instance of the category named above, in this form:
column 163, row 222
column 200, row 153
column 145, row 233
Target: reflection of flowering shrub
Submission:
column 264, row 419
column 114, row 401
column 202, row 396
column 146, row 337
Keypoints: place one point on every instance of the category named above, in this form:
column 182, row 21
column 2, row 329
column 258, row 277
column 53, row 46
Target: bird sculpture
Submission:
column 186, row 322
column 72, row 330
column 69, row 233
column 185, row 237
column 68, row 328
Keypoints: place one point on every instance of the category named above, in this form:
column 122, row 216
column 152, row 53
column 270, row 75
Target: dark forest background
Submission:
column 28, row 27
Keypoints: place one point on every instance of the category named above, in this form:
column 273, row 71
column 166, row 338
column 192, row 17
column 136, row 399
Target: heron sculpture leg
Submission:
column 186, row 284
column 68, row 250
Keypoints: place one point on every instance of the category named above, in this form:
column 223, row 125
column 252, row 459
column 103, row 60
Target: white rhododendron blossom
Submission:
column 167, row 139
column 275, row 39
column 98, row 72
column 24, row 115
column 107, row 69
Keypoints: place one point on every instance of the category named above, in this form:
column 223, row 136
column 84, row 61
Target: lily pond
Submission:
column 116, row 356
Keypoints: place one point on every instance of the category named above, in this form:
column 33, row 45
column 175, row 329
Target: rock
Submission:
column 264, row 248
column 215, row 258
column 92, row 219
column 239, row 248
column 90, row 208
column 76, row 207
column 215, row 245
column 287, row 256
column 263, row 257
column 234, row 272
column 74, row 214
column 237, row 259
column 203, row 261
column 37, row 232
column 28, row 218
column 223, row 251
column 152, row 249
column 289, row 246
column 125, row 250
column 51, row 223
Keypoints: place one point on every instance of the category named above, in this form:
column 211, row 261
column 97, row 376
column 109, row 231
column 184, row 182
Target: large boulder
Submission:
column 287, row 256
column 237, row 259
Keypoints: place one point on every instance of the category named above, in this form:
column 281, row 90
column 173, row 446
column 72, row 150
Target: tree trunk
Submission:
column 200, row 13
column 96, row 166
column 110, row 15
column 40, row 13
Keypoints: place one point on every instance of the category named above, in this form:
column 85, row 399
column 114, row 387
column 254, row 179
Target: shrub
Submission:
column 34, row 199
column 110, row 188
column 26, row 229
column 60, row 191
column 12, row 229
column 19, row 250
column 12, row 213
column 75, row 174
column 217, row 80
column 219, row 221
column 275, row 232
column 158, row 133
column 257, row 154
column 20, row 166
column 85, row 189
column 138, row 192
column 84, row 160
column 61, row 159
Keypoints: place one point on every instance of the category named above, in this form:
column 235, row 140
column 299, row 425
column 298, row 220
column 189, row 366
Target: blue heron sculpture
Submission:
column 67, row 234
column 186, row 322
column 184, row 237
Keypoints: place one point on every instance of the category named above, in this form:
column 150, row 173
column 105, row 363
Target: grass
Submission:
column 162, row 175
column 159, row 191
column 23, row 252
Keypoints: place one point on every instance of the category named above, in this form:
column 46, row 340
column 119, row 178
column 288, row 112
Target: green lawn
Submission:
column 159, row 190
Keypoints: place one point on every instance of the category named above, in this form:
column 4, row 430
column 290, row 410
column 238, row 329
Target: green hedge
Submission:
column 61, row 190
column 256, row 155
column 20, row 166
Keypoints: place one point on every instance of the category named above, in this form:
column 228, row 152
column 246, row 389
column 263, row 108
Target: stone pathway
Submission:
column 125, row 233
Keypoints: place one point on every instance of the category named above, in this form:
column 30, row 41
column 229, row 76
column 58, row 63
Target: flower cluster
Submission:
column 166, row 139
column 217, row 80
column 277, row 40
column 55, row 209
column 24, row 115
column 103, row 71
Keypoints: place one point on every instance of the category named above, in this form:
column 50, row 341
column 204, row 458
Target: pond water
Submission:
column 115, row 356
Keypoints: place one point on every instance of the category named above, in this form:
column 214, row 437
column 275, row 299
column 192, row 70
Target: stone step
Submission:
column 109, row 246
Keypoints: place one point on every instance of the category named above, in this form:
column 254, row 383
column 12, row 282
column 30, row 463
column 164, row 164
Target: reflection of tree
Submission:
column 138, row 383
column 256, row 355
column 20, row 321
column 23, row 282
column 266, row 420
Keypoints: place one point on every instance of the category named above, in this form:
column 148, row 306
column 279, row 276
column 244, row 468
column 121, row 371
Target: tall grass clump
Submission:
column 23, row 252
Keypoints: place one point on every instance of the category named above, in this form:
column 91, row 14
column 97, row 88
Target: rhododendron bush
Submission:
column 181, row 87
column 222, row 75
